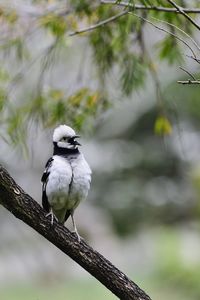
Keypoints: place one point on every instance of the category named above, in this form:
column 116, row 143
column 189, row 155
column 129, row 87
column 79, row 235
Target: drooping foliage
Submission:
column 37, row 69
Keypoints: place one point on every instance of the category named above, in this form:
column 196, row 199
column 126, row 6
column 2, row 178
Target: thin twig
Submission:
column 22, row 73
column 194, row 58
column 165, row 30
column 102, row 23
column 179, row 29
column 189, row 81
column 155, row 8
column 186, row 71
column 46, row 62
column 181, row 10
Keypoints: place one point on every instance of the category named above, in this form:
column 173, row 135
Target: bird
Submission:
column 66, row 178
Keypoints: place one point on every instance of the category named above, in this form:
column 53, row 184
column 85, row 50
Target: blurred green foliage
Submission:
column 173, row 269
column 153, row 182
column 119, row 45
column 171, row 277
column 158, row 185
column 150, row 182
column 83, row 290
column 56, row 24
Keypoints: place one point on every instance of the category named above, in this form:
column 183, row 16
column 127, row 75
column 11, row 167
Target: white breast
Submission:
column 81, row 179
column 59, row 180
column 68, row 182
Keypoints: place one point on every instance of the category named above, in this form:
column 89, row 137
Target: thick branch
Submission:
column 155, row 8
column 30, row 212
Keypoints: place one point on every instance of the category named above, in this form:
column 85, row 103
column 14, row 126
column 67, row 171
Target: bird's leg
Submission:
column 74, row 226
column 52, row 216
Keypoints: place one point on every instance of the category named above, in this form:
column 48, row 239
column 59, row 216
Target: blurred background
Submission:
column 117, row 86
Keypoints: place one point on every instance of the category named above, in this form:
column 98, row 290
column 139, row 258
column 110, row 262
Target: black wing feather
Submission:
column 46, row 171
column 45, row 202
column 44, row 179
column 68, row 213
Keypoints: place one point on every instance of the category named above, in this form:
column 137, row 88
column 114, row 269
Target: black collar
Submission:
column 64, row 151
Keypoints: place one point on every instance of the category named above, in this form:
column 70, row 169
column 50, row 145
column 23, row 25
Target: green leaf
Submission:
column 3, row 98
column 162, row 126
column 133, row 73
column 146, row 2
column 56, row 94
column 4, row 76
column 82, row 7
column 169, row 50
column 56, row 24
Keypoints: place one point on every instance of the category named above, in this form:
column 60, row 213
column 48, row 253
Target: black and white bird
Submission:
column 67, row 176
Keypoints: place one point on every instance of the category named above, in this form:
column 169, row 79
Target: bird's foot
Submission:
column 74, row 226
column 52, row 217
column 77, row 234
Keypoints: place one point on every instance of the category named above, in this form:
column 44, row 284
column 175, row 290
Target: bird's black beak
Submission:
column 73, row 142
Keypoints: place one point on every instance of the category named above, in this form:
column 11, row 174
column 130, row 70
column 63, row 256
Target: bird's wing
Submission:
column 44, row 180
column 67, row 214
column 45, row 175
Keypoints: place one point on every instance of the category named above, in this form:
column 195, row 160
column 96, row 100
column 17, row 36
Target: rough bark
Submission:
column 30, row 212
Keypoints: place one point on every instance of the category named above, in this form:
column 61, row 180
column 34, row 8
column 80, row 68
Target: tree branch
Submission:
column 181, row 11
column 155, row 8
column 30, row 212
column 189, row 81
column 104, row 22
column 178, row 29
column 165, row 30
column 187, row 72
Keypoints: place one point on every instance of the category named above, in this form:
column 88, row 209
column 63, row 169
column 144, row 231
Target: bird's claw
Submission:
column 52, row 217
column 77, row 234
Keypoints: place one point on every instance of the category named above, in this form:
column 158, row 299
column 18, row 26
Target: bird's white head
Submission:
column 65, row 137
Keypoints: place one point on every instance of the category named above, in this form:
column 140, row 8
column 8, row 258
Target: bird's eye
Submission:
column 64, row 138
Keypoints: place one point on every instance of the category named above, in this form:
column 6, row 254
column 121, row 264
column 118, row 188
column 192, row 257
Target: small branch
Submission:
column 165, row 30
column 194, row 58
column 179, row 29
column 102, row 23
column 186, row 71
column 189, row 81
column 155, row 8
column 181, row 11
column 22, row 206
